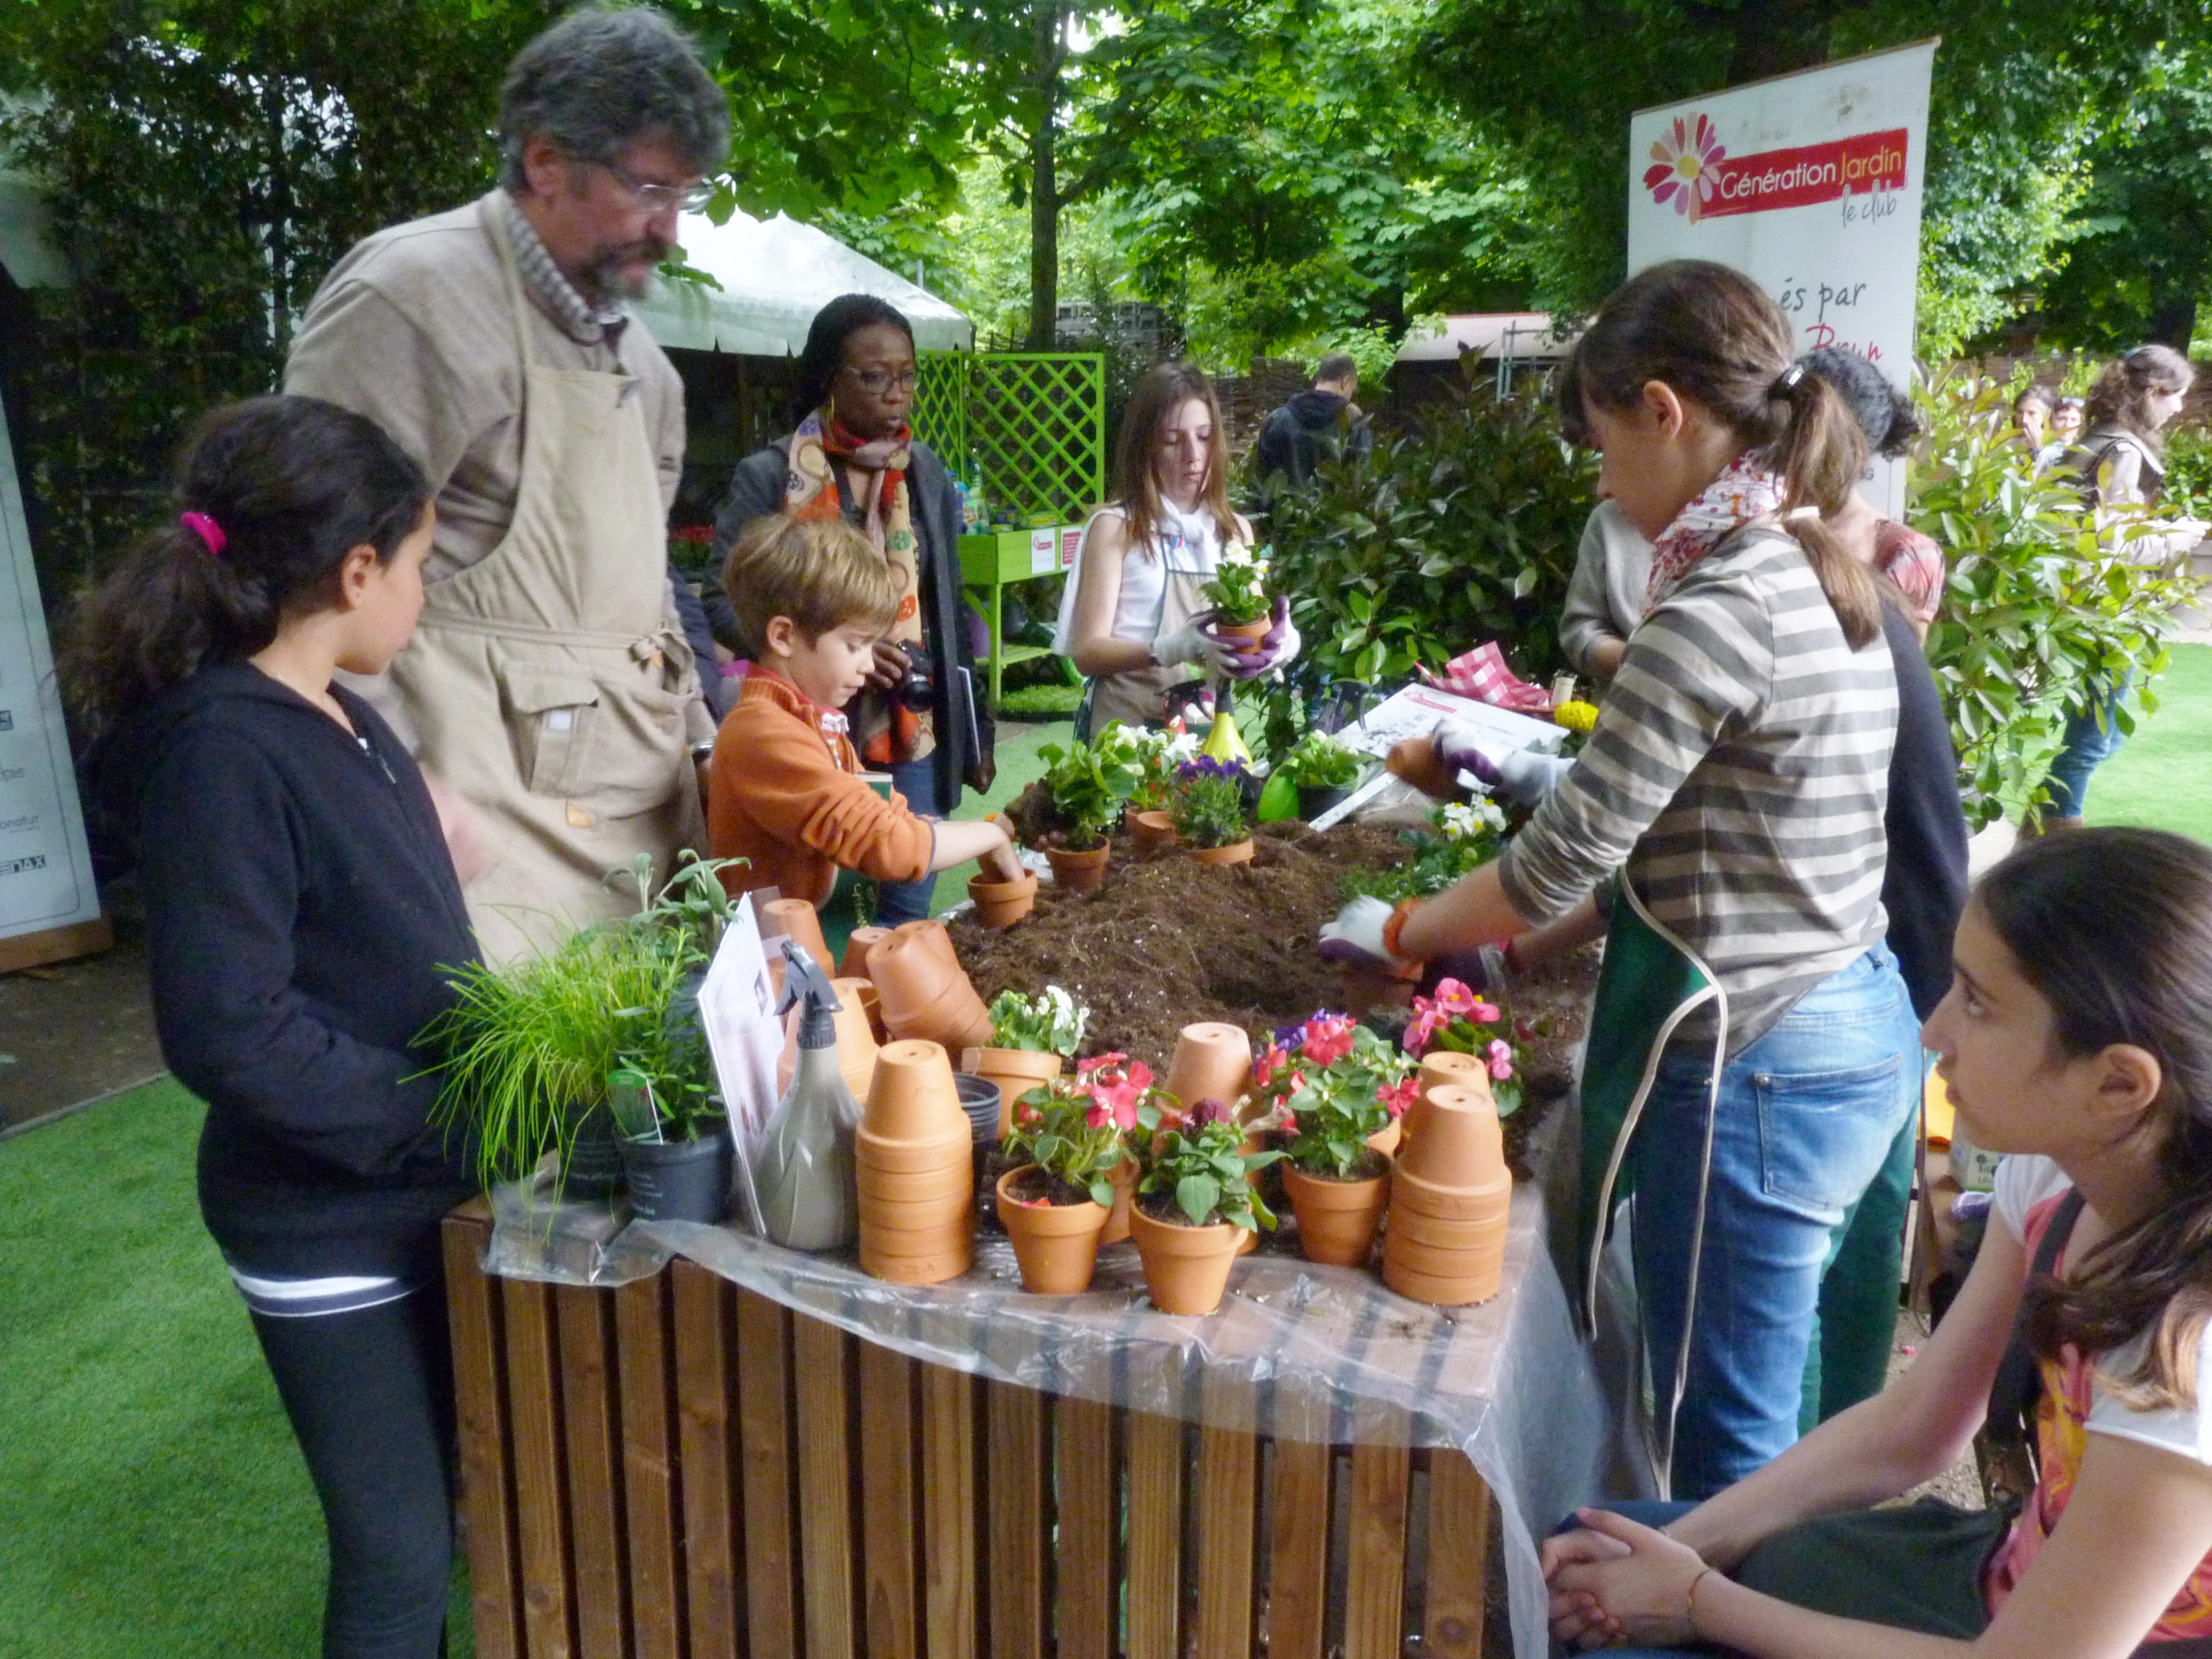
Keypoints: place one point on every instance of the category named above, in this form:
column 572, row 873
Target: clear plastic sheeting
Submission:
column 1296, row 1352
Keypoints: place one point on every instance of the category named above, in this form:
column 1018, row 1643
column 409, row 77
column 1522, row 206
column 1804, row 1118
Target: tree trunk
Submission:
column 1046, row 50
column 2173, row 320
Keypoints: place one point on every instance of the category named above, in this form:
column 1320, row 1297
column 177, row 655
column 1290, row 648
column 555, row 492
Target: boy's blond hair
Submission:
column 822, row 573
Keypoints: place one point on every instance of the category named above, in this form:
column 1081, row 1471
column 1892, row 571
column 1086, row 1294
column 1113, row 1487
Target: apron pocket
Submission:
column 550, row 714
column 637, row 759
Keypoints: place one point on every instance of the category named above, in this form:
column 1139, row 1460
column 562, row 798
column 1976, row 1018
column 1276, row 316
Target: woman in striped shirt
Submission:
column 1737, row 778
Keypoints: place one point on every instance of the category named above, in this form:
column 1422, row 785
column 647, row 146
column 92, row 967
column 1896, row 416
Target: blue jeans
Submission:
column 1807, row 1116
column 909, row 901
column 2093, row 737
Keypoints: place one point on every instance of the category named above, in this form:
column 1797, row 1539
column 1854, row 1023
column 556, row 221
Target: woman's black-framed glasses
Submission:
column 876, row 382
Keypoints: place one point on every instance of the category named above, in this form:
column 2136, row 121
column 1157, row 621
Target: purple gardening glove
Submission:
column 1253, row 657
column 1462, row 745
column 1521, row 776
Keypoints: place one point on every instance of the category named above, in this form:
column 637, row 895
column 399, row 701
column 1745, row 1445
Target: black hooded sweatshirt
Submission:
column 301, row 908
column 1312, row 423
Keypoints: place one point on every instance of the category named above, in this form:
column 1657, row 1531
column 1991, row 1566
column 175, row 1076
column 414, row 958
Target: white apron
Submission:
column 546, row 684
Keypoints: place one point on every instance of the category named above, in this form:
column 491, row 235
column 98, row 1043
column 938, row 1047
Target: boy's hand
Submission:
column 999, row 864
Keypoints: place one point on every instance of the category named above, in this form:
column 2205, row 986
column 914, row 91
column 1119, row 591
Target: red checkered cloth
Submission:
column 1482, row 674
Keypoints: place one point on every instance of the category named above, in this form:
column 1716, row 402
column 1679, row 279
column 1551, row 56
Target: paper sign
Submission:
column 1044, row 552
column 737, row 1010
column 1419, row 709
column 1070, row 539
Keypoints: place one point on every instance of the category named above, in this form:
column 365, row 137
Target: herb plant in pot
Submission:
column 1323, row 771
column 1054, row 1203
column 1336, row 1178
column 1086, row 785
column 1031, row 1038
column 1194, row 1202
column 1210, row 812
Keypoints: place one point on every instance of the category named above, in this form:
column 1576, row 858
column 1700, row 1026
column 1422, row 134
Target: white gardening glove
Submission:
column 1356, row 936
column 1189, row 644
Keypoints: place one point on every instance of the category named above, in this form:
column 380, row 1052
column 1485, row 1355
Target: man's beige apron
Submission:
column 1139, row 696
column 546, row 684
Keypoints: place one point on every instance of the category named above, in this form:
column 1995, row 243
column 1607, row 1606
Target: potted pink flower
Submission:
column 1458, row 1020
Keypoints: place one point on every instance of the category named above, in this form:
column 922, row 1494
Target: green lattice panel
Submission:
column 940, row 414
column 1037, row 423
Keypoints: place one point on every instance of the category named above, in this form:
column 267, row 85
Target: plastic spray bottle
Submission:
column 805, row 1172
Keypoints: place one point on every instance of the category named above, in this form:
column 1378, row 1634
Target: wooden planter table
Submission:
column 679, row 1442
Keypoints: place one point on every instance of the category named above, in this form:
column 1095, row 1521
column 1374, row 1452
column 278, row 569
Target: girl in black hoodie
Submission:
column 300, row 909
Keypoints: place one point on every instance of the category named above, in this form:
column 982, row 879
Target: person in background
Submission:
column 854, row 457
column 1320, row 422
column 1133, row 618
column 2032, row 418
column 302, row 920
column 549, row 684
column 2066, row 417
column 1610, row 591
column 1911, row 562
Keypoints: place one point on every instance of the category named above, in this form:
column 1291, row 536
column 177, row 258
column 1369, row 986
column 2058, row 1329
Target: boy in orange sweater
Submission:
column 783, row 789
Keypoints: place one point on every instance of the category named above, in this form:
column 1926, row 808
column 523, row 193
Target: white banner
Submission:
column 46, row 873
column 1809, row 184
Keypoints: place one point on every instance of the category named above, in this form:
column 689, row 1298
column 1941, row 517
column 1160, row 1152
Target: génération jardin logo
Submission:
column 1692, row 169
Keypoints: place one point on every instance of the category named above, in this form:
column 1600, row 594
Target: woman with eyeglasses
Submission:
column 1133, row 618
column 853, row 455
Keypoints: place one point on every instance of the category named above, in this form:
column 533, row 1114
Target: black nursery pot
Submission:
column 593, row 1168
column 1314, row 799
column 679, row 1180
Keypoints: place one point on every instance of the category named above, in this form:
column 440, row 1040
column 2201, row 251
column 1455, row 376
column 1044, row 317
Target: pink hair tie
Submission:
column 207, row 530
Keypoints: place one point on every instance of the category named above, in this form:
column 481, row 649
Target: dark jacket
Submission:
column 1924, row 887
column 756, row 487
column 1313, row 424
column 301, row 906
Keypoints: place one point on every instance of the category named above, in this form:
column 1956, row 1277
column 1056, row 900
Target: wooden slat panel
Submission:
column 473, row 1312
column 1297, row 1564
column 1459, row 1556
column 1014, row 1487
column 1155, row 1541
column 713, row 1595
column 764, row 1441
column 949, row 1514
column 649, row 1463
column 825, row 1522
column 1375, row 1577
column 889, row 1601
column 1225, row 1545
column 541, row 1520
column 584, row 1322
column 1083, row 1438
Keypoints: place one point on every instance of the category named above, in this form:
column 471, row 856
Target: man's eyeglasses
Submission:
column 876, row 382
column 659, row 198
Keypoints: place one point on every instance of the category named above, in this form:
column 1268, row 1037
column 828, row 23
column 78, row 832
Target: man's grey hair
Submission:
column 605, row 77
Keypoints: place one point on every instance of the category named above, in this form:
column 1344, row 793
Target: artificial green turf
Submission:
column 155, row 1505
column 2162, row 776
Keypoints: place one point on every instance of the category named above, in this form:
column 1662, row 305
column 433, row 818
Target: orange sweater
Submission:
column 787, row 794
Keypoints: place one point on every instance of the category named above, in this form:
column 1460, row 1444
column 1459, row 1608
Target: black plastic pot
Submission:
column 679, row 1180
column 592, row 1169
column 1314, row 799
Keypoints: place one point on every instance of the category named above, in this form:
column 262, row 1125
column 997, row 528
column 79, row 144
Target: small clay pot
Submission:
column 871, row 1005
column 1255, row 631
column 1414, row 759
column 1237, row 852
column 1213, row 1061
column 858, row 944
column 1336, row 1219
column 909, row 1157
column 1056, row 1244
column 1080, row 872
column 1016, row 1071
column 1387, row 1139
column 1442, row 1292
column 798, row 919
column 1186, row 1268
column 1000, row 904
column 1455, row 1139
column 1123, row 1175
column 1416, row 1226
column 906, row 1191
column 857, row 1039
column 1445, row 1067
column 1368, row 985
column 913, row 1097
column 1150, row 833
column 944, row 1257
column 926, row 994
column 1476, row 1203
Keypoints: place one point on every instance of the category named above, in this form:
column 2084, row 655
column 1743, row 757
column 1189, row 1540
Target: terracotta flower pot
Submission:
column 1150, row 833
column 1409, row 1191
column 870, row 1004
column 1056, row 1244
column 1237, row 852
column 1016, row 1071
column 1367, row 986
column 856, row 1042
column 798, row 919
column 1080, row 872
column 1213, row 1061
column 1414, row 759
column 1454, row 1138
column 926, row 994
column 1255, row 631
column 913, row 1097
column 1416, row 1226
column 1000, row 904
column 1123, row 1175
column 1186, row 1268
column 858, row 944
column 1387, row 1139
column 908, row 1191
column 946, row 1256
column 1444, row 1067
column 1442, row 1292
column 909, row 1157
column 1336, row 1219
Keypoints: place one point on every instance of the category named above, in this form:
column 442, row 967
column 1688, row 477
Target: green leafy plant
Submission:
column 1462, row 837
column 1339, row 1083
column 1237, row 590
column 1088, row 783
column 1071, row 1129
column 1051, row 1022
column 1460, row 1022
column 1320, row 761
column 1202, row 1165
column 2038, row 611
column 1158, row 754
column 1207, row 803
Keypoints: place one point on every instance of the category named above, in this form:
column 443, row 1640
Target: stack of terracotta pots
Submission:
column 1016, row 1071
column 913, row 1160
column 858, row 944
column 925, row 992
column 856, row 1040
column 1213, row 1061
column 798, row 921
column 1451, row 1195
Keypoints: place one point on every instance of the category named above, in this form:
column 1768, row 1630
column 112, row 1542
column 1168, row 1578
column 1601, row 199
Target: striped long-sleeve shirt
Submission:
column 1739, row 769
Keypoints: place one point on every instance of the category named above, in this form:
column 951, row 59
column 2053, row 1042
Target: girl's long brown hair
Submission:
column 2114, row 929
column 1163, row 391
column 2121, row 397
column 1714, row 335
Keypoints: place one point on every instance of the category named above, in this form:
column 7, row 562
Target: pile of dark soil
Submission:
column 1171, row 941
